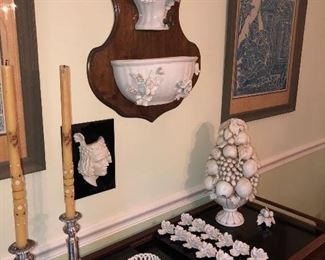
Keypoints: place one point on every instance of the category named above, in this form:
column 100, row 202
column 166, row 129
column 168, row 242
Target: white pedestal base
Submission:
column 230, row 218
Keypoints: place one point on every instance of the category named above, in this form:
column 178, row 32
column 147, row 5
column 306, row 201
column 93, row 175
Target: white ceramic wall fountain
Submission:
column 145, row 67
column 152, row 14
column 232, row 172
column 148, row 82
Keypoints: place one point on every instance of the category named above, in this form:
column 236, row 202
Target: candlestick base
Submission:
column 71, row 228
column 22, row 253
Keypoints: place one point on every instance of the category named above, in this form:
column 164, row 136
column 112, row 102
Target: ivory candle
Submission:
column 17, row 176
column 65, row 85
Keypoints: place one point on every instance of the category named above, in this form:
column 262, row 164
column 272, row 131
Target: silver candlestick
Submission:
column 22, row 253
column 71, row 228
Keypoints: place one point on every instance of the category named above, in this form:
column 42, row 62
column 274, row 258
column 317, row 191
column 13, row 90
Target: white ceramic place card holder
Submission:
column 205, row 249
column 148, row 82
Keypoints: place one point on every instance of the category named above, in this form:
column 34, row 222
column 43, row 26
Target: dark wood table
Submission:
column 288, row 239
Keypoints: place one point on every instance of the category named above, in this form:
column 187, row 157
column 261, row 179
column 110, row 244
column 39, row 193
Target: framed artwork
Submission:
column 93, row 150
column 263, row 51
column 18, row 45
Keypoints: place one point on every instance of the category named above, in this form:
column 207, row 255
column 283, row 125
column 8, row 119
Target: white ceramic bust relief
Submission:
column 94, row 158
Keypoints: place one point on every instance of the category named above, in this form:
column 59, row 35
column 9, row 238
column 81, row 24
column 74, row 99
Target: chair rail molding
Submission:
column 291, row 155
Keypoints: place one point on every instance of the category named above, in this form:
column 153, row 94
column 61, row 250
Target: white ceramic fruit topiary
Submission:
column 232, row 171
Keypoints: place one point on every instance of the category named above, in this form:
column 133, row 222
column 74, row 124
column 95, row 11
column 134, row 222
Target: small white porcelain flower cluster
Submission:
column 184, row 88
column 145, row 88
column 265, row 216
column 206, row 249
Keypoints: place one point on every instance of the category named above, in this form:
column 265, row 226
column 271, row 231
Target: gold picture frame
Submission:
column 262, row 58
column 19, row 48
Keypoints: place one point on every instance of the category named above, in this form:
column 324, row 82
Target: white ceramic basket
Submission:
column 152, row 14
column 148, row 82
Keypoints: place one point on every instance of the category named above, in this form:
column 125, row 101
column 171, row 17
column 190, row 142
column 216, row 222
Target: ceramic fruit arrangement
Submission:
column 232, row 171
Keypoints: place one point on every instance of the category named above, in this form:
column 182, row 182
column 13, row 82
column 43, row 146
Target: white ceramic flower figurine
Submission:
column 166, row 228
column 206, row 250
column 265, row 216
column 232, row 171
column 180, row 234
column 197, row 225
column 210, row 233
column 221, row 255
column 239, row 248
column 258, row 254
column 225, row 240
column 192, row 241
column 186, row 220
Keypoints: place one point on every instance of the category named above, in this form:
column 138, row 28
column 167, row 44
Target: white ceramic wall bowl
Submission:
column 148, row 82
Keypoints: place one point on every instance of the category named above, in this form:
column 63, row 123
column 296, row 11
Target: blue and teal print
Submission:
column 264, row 35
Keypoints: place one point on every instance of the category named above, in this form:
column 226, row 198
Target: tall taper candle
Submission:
column 68, row 179
column 17, row 176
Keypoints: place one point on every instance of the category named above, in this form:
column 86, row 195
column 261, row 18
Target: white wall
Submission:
column 159, row 160
column 299, row 185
